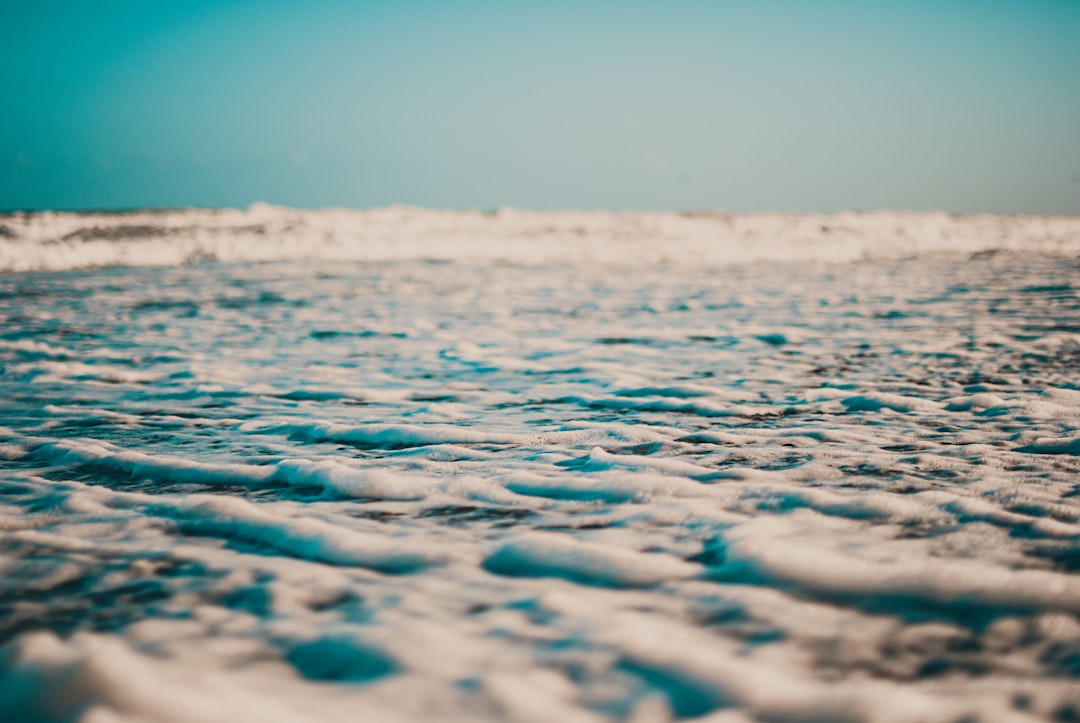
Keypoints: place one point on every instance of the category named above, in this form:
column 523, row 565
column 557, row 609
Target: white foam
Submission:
column 99, row 679
column 329, row 474
column 57, row 241
column 390, row 436
column 771, row 548
column 553, row 555
column 1045, row 445
column 894, row 402
column 581, row 491
column 304, row 537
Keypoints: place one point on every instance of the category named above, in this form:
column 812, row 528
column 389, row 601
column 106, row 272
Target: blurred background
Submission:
column 770, row 106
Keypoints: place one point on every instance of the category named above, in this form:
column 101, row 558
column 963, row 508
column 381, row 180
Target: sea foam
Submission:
column 453, row 466
column 52, row 241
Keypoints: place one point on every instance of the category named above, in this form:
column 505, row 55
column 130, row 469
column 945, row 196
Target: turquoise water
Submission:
column 471, row 491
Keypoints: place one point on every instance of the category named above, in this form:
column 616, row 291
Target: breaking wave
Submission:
column 52, row 241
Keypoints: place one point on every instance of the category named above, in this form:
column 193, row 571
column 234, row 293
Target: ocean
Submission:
column 401, row 464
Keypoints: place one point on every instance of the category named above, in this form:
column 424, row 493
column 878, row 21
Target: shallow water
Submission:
column 473, row 490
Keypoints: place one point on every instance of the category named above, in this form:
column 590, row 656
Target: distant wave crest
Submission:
column 53, row 241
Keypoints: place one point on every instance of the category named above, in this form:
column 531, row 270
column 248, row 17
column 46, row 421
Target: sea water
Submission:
column 519, row 488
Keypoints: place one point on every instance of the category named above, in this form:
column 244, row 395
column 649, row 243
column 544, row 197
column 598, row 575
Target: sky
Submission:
column 962, row 106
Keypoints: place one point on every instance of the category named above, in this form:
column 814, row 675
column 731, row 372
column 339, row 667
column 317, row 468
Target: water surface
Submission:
column 471, row 490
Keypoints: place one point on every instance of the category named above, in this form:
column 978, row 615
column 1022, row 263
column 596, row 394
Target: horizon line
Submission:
column 494, row 211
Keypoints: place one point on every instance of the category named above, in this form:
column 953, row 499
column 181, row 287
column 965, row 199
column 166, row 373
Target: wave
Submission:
column 58, row 241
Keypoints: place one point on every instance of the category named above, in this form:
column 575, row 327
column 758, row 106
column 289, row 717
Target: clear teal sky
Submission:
column 964, row 106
